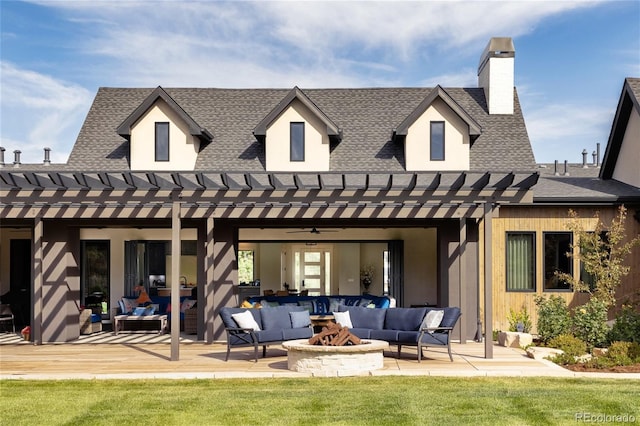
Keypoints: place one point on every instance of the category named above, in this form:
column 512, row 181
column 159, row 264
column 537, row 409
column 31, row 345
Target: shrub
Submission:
column 627, row 326
column 590, row 322
column 520, row 317
column 619, row 353
column 553, row 317
column 569, row 344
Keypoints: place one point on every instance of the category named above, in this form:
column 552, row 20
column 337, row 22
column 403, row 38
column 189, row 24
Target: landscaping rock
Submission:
column 537, row 352
column 514, row 339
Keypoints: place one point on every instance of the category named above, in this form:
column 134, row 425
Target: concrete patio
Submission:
column 144, row 355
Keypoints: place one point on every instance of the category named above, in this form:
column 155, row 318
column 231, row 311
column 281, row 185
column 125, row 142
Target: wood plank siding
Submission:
column 548, row 219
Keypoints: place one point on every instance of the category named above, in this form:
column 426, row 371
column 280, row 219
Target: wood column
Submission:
column 488, row 284
column 175, row 281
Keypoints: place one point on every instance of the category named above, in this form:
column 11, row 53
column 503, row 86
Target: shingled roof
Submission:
column 366, row 117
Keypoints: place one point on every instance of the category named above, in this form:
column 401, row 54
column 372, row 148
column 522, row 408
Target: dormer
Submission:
column 162, row 136
column 438, row 134
column 297, row 135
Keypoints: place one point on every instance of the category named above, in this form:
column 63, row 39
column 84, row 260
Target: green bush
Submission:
column 619, row 353
column 553, row 317
column 569, row 344
column 627, row 326
column 520, row 317
column 590, row 323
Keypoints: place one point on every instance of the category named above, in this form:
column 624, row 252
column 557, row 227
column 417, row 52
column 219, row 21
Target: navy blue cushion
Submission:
column 265, row 336
column 371, row 318
column 96, row 318
column 278, row 317
column 363, row 333
column 450, row 317
column 297, row 333
column 386, row 335
column 408, row 319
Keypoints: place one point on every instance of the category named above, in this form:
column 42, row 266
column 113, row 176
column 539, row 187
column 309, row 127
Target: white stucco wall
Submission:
column 277, row 149
column 497, row 79
column 456, row 141
column 183, row 148
column 627, row 167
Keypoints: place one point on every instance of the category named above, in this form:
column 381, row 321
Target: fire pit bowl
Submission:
column 350, row 360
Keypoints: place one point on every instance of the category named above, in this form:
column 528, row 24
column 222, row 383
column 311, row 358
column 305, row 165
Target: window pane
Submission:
column 556, row 247
column 297, row 141
column 437, row 140
column 245, row 266
column 162, row 141
column 94, row 287
column 312, row 256
column 312, row 269
column 520, row 262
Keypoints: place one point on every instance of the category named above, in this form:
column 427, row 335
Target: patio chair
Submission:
column 6, row 315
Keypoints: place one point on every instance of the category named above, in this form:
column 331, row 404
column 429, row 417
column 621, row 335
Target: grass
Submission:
column 340, row 401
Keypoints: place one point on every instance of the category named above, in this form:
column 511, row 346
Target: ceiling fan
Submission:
column 313, row 230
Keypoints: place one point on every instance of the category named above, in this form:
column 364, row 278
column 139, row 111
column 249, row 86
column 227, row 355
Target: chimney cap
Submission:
column 498, row 47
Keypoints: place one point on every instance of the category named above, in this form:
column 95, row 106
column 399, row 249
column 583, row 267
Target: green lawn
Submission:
column 348, row 401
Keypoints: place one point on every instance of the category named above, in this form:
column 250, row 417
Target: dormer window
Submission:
column 296, row 137
column 298, row 127
column 437, row 141
column 162, row 141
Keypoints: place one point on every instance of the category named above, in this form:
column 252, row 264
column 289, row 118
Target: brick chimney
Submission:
column 495, row 74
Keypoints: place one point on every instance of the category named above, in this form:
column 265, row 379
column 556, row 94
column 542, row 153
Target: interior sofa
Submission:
column 403, row 326
column 272, row 325
column 158, row 312
column 322, row 305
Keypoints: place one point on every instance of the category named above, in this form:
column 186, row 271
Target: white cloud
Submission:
column 39, row 111
column 254, row 44
column 563, row 131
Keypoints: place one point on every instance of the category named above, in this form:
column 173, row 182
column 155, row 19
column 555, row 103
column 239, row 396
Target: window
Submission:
column 588, row 249
column 520, row 261
column 162, row 141
column 297, row 141
column 94, row 283
column 437, row 141
column 246, row 266
column 556, row 247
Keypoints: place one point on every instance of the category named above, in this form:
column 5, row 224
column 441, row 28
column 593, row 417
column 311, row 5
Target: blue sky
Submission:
column 571, row 57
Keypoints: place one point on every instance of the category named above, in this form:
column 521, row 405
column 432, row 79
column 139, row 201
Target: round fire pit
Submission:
column 335, row 360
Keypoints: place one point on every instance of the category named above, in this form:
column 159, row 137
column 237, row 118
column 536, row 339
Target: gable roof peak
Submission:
column 439, row 92
column 296, row 94
column 124, row 129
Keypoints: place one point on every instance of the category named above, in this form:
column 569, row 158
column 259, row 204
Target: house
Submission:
column 302, row 187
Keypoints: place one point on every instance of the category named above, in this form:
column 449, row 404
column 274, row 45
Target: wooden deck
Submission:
column 146, row 355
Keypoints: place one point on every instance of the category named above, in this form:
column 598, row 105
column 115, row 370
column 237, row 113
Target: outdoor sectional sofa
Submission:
column 397, row 326
column 403, row 326
column 274, row 326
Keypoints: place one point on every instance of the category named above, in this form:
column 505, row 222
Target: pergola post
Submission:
column 462, row 276
column 38, row 280
column 488, row 285
column 175, row 281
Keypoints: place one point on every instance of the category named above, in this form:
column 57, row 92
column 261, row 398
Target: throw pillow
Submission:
column 300, row 319
column 149, row 310
column 245, row 320
column 307, row 304
column 432, row 319
column 129, row 304
column 139, row 311
column 334, row 303
column 343, row 318
column 187, row 304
